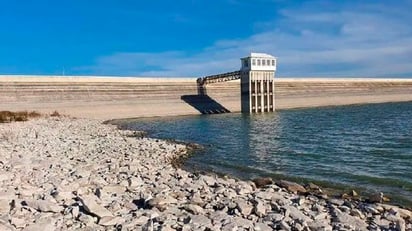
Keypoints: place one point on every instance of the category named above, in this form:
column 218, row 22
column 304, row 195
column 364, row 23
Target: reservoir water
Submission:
column 362, row 147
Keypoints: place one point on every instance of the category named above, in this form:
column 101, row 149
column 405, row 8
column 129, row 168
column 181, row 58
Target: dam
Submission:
column 252, row 89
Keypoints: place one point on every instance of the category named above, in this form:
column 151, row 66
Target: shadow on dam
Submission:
column 204, row 104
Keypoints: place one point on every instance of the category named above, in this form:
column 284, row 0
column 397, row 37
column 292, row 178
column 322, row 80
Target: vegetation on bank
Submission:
column 9, row 116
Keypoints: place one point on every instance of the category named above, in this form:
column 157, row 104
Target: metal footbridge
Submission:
column 229, row 76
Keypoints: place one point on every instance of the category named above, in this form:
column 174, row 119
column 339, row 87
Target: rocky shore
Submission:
column 60, row 173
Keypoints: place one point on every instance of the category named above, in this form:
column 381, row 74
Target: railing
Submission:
column 218, row 78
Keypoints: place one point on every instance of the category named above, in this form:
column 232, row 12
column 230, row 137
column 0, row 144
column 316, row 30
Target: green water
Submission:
column 363, row 147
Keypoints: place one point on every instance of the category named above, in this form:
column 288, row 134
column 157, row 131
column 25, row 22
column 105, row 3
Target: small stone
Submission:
column 320, row 225
column 45, row 225
column 260, row 209
column 376, row 198
column 262, row 227
column 296, row 214
column 161, row 202
column 244, row 207
column 195, row 209
column 90, row 204
column 200, row 220
column 292, row 186
column 18, row 222
column 349, row 220
column 354, row 193
column 4, row 206
column 110, row 221
column 400, row 225
column 75, row 212
column 284, row 226
column 118, row 189
column 338, row 202
column 357, row 213
column 197, row 200
column 262, row 182
column 43, row 206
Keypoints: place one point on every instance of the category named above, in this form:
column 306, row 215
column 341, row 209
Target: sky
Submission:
column 188, row 38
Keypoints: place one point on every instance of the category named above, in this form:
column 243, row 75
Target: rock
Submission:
column 75, row 212
column 348, row 220
column 43, row 206
column 18, row 222
column 320, row 225
column 117, row 189
column 243, row 223
column 357, row 213
column 296, row 214
column 260, row 209
column 243, row 188
column 90, row 204
column 284, row 226
column 314, row 188
column 244, row 207
column 134, row 182
column 292, row 186
column 404, row 213
column 262, row 182
column 110, row 221
column 262, row 227
column 8, row 195
column 354, row 193
column 4, row 206
column 400, row 225
column 338, row 202
column 274, row 217
column 371, row 210
column 197, row 200
column 161, row 202
column 87, row 219
column 194, row 209
column 200, row 220
column 45, row 225
column 376, row 198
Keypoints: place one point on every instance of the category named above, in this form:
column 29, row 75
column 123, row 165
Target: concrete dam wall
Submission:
column 117, row 97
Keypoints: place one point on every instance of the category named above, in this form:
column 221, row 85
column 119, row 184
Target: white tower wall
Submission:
column 257, row 83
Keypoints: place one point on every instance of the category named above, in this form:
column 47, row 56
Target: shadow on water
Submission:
column 204, row 104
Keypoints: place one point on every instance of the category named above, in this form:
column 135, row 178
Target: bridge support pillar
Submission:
column 257, row 91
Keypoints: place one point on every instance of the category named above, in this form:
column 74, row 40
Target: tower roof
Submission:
column 260, row 55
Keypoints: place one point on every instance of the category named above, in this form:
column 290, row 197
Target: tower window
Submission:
column 253, row 62
column 258, row 62
column 263, row 62
column 273, row 62
column 245, row 63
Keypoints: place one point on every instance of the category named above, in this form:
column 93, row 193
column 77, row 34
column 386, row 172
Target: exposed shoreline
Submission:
column 107, row 177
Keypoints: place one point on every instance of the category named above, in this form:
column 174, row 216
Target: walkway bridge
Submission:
column 229, row 76
column 257, row 84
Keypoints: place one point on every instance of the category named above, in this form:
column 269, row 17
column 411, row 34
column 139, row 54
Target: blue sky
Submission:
column 188, row 38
